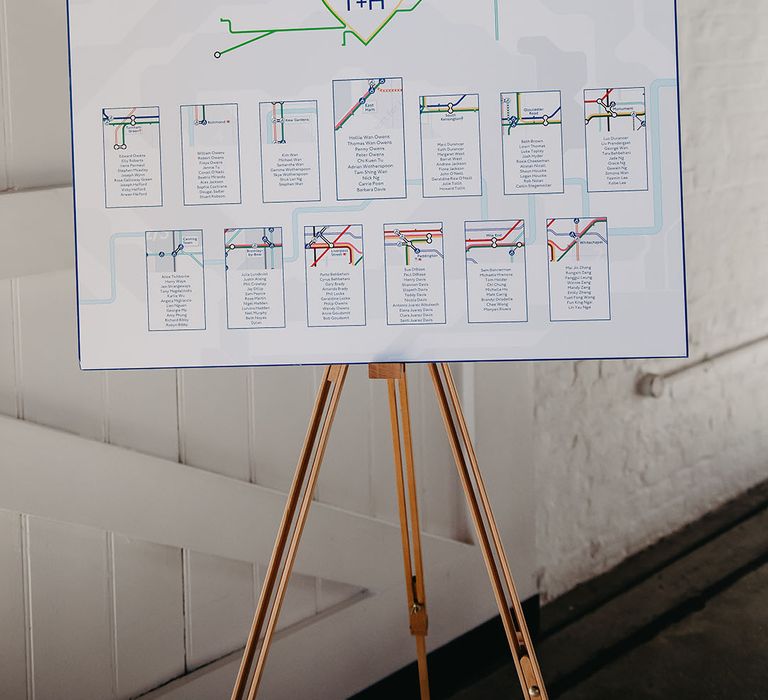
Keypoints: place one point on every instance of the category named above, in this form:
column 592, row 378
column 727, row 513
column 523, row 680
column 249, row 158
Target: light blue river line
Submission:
column 658, row 176
column 113, row 270
column 297, row 236
column 532, row 223
column 297, row 244
column 268, row 118
column 581, row 182
column 658, row 202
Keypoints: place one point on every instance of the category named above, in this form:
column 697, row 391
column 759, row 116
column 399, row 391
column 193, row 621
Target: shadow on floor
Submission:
column 687, row 619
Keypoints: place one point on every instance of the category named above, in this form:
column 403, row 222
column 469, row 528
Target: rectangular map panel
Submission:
column 370, row 138
column 497, row 284
column 255, row 277
column 133, row 175
column 532, row 142
column 450, row 146
column 290, row 151
column 414, row 256
column 175, row 280
column 617, row 139
column 210, row 150
column 579, row 275
column 335, row 272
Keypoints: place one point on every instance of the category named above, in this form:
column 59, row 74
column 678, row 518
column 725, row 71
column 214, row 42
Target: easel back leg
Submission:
column 488, row 534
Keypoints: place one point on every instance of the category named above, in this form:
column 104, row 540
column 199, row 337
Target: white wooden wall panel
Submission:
column 55, row 391
column 439, row 487
column 210, row 683
column 7, row 369
column 57, row 475
column 300, row 601
column 383, row 489
column 5, row 125
column 339, row 654
column 504, row 426
column 330, row 594
column 142, row 412
column 345, row 479
column 38, row 92
column 41, row 215
column 214, row 421
column 281, row 403
column 13, row 664
column 149, row 614
column 70, row 595
column 221, row 600
column 220, row 604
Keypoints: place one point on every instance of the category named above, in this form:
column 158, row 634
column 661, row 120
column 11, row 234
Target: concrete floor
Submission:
column 718, row 652
column 687, row 619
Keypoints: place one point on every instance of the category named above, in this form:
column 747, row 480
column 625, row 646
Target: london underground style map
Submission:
column 350, row 181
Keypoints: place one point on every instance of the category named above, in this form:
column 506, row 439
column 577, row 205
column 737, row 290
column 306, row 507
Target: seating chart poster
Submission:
column 350, row 181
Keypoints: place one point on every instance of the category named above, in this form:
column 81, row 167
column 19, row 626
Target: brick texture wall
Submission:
column 616, row 471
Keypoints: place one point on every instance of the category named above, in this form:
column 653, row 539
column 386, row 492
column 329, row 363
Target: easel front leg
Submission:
column 488, row 534
column 299, row 499
column 408, row 503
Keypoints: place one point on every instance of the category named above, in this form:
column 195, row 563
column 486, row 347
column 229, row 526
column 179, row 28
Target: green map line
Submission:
column 123, row 126
column 363, row 41
column 511, row 122
column 341, row 26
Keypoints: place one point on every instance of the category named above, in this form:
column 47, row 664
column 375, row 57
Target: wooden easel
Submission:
column 300, row 501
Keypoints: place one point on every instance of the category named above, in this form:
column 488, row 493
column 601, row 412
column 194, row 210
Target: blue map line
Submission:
column 549, row 116
column 512, row 121
column 112, row 119
column 432, row 250
column 438, row 106
column 496, row 19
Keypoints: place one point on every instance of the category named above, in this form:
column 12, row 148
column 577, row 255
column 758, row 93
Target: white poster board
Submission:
column 351, row 181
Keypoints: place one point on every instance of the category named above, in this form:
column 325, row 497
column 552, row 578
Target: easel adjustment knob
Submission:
column 534, row 690
column 419, row 620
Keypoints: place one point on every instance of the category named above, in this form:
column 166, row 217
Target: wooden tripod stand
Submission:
column 300, row 501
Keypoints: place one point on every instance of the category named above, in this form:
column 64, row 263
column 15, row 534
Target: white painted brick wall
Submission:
column 615, row 471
